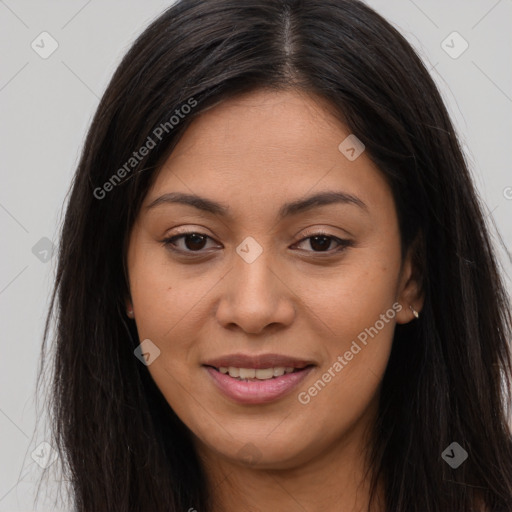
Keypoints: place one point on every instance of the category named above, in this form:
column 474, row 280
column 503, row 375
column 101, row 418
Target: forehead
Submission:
column 263, row 146
column 264, row 123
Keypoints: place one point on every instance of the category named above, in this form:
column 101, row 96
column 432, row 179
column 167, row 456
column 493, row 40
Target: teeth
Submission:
column 278, row 371
column 264, row 374
column 234, row 372
column 245, row 373
column 252, row 373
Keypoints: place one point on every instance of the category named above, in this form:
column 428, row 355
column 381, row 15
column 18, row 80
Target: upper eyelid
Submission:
column 318, row 232
column 307, row 232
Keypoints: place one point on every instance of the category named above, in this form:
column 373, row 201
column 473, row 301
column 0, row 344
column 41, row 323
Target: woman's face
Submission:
column 271, row 281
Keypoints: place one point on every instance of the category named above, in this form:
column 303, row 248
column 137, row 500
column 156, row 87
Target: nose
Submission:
column 255, row 297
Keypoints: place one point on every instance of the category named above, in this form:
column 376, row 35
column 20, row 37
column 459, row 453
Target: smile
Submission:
column 258, row 380
column 256, row 374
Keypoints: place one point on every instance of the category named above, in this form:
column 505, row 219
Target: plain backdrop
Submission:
column 47, row 104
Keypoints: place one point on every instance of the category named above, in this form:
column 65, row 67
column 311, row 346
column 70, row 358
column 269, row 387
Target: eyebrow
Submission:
column 286, row 210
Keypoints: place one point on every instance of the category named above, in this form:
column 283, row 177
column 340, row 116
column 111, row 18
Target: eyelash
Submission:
column 343, row 243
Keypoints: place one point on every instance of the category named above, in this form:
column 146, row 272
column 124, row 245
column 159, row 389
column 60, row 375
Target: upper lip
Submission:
column 258, row 361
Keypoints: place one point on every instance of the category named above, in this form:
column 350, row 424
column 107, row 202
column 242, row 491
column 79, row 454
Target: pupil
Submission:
column 322, row 245
column 196, row 242
column 196, row 239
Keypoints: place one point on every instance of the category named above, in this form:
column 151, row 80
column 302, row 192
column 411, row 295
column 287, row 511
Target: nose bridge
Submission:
column 253, row 275
column 254, row 295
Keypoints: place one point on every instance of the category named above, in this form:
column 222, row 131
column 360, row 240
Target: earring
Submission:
column 129, row 312
column 414, row 312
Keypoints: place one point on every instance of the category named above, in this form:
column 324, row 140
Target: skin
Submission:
column 254, row 153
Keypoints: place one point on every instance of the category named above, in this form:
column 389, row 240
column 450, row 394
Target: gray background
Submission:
column 47, row 104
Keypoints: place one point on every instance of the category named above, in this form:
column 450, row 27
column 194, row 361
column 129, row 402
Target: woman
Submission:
column 276, row 289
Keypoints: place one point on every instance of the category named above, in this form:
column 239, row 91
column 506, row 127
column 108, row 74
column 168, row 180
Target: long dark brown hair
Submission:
column 449, row 375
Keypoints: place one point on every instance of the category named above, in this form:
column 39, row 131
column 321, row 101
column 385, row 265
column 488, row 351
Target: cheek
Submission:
column 355, row 358
column 355, row 295
column 359, row 309
column 171, row 304
column 167, row 296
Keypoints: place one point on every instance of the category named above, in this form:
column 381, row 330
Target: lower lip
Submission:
column 257, row 391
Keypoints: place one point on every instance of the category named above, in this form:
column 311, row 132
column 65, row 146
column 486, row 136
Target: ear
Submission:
column 129, row 308
column 410, row 288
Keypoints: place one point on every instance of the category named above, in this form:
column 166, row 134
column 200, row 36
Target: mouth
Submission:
column 256, row 374
column 257, row 379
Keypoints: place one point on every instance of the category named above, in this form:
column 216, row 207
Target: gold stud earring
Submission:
column 414, row 312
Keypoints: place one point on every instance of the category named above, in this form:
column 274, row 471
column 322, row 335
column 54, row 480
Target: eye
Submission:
column 195, row 242
column 320, row 242
column 192, row 242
